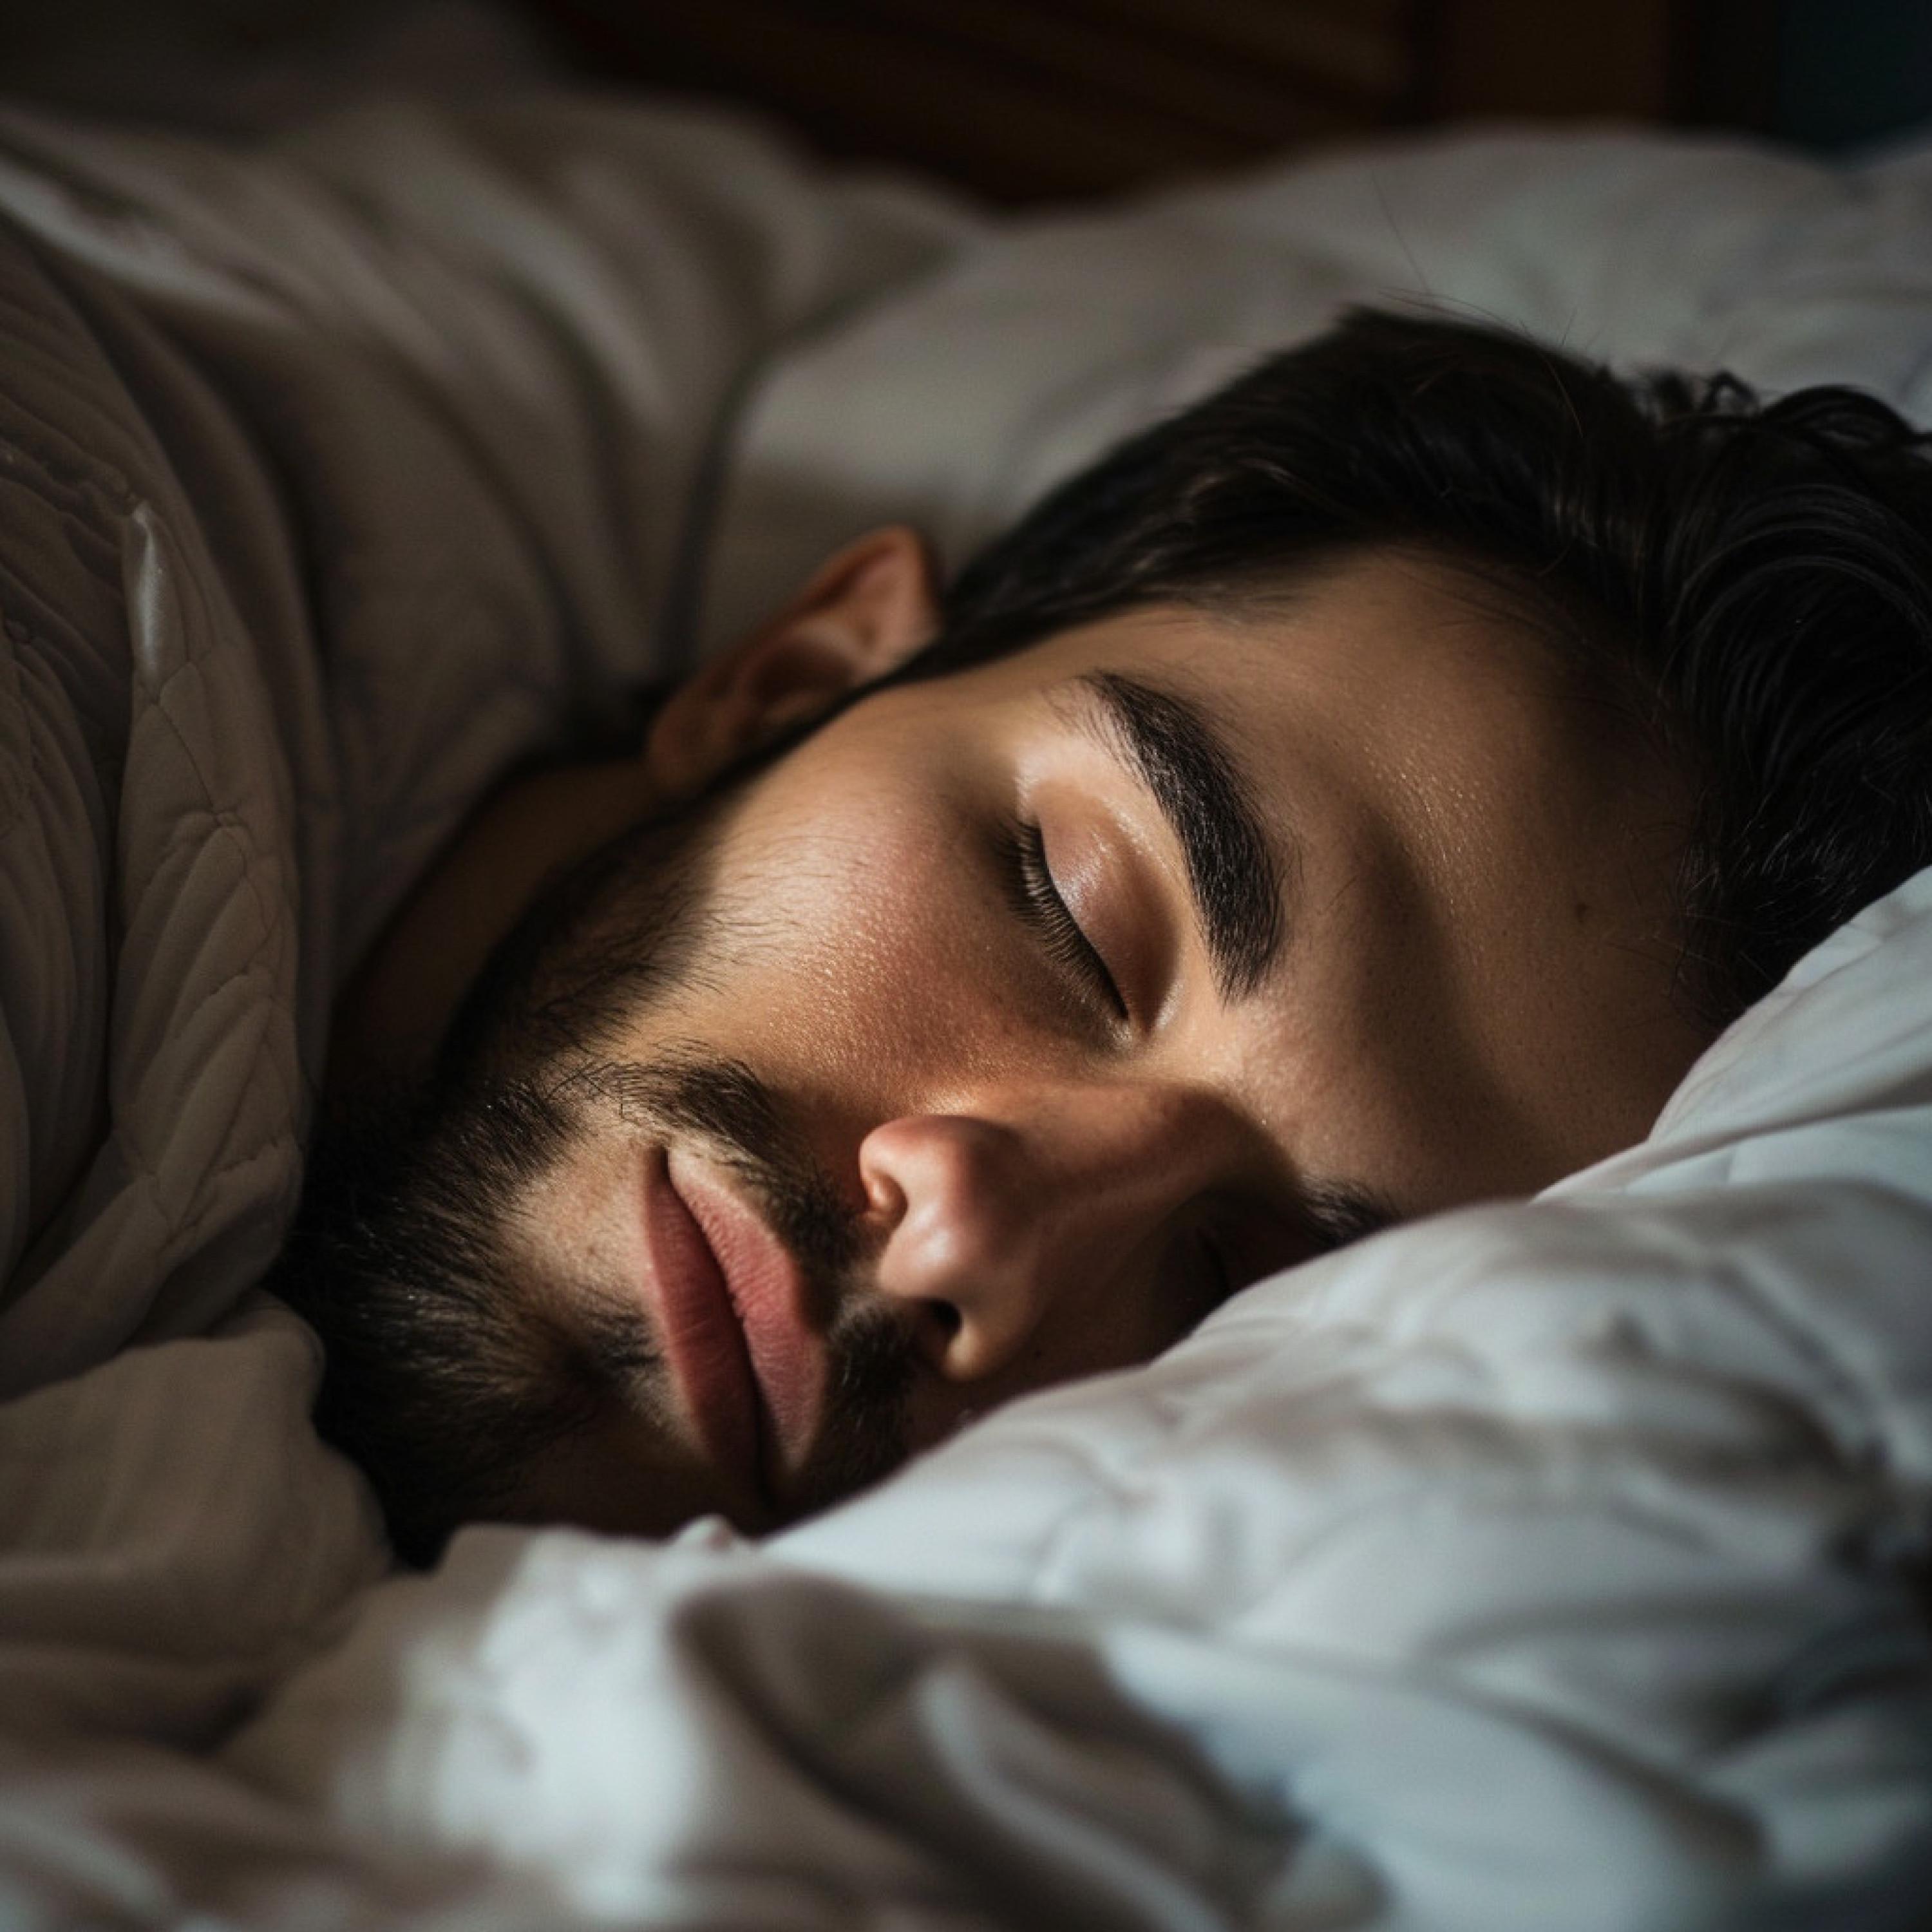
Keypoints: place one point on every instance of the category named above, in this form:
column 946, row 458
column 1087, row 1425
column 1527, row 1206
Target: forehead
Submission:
column 1383, row 652
column 1398, row 612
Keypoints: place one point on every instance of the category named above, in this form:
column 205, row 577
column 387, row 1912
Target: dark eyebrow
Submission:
column 1235, row 875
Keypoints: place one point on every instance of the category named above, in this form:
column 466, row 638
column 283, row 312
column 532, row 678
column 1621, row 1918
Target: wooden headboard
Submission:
column 1030, row 100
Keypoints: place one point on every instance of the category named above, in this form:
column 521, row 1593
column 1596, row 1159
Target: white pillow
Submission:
column 1552, row 1563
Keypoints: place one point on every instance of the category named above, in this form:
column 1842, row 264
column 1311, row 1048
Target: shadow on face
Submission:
column 1002, row 1027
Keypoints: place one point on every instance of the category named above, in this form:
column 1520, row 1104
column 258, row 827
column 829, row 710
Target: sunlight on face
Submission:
column 1098, row 981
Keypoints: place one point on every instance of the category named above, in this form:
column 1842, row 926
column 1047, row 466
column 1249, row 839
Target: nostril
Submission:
column 946, row 1319
column 884, row 1197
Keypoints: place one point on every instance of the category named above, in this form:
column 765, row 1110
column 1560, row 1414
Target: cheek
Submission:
column 850, row 957
column 1368, row 1066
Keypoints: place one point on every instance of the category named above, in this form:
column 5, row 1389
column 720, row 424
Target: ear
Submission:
column 864, row 611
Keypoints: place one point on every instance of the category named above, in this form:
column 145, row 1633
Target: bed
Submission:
column 1563, row 1563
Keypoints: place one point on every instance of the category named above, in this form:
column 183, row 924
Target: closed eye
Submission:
column 1038, row 900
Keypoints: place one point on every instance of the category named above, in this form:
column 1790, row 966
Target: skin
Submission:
column 1472, row 997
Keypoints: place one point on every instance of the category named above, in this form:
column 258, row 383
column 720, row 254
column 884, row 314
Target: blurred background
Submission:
column 1024, row 100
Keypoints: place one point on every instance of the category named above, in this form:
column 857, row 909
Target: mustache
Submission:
column 741, row 1122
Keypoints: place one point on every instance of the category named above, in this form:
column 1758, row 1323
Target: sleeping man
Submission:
column 1366, row 793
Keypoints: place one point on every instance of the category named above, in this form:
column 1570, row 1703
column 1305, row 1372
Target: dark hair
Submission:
column 1757, row 576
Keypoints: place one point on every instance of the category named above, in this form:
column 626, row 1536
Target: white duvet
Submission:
column 1563, row 1565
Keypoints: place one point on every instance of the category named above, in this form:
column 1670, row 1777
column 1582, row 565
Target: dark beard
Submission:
column 450, row 1376
column 722, row 1107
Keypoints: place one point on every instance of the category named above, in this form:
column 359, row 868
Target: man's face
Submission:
column 1016, row 1018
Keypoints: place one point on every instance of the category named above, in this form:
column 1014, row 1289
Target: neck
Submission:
column 395, row 1008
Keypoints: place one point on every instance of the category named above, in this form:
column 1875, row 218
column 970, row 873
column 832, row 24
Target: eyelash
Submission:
column 1039, row 903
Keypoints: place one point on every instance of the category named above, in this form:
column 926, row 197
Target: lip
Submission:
column 766, row 1291
column 699, row 1328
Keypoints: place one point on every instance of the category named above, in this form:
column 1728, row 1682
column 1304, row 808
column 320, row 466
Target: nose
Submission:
column 1008, row 1225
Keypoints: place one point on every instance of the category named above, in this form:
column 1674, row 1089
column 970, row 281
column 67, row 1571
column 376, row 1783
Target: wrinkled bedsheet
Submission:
column 1558, row 1564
